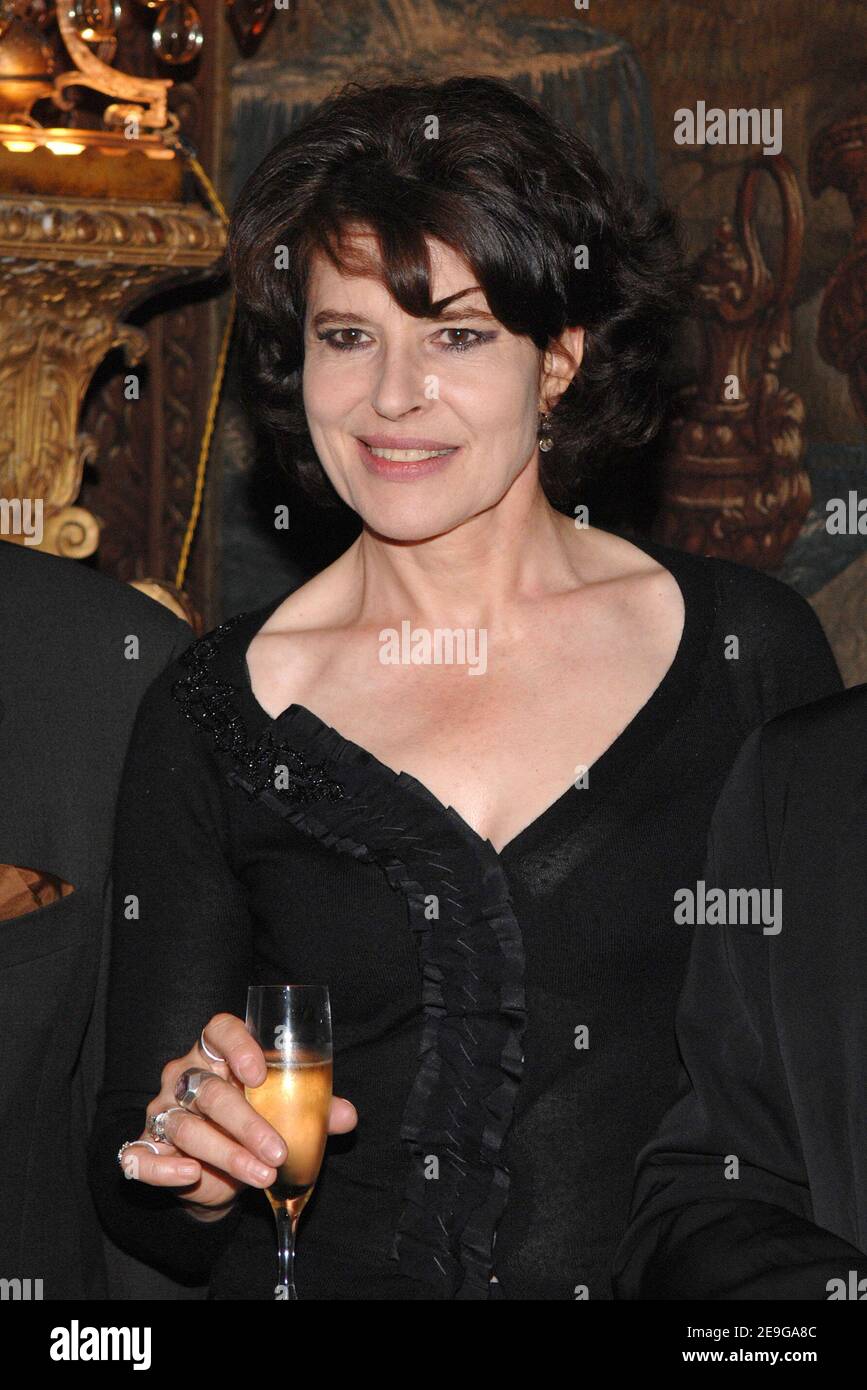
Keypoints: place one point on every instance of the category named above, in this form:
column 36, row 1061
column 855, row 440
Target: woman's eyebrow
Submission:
column 448, row 314
column 468, row 313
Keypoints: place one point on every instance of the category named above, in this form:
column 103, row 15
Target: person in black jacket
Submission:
column 78, row 651
column 755, row 1184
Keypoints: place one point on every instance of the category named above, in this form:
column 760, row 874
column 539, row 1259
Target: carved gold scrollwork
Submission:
column 68, row 273
column 735, row 485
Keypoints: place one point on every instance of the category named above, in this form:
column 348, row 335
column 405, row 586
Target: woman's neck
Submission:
column 472, row 576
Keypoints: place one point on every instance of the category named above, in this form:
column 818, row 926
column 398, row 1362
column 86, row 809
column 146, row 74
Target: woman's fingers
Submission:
column 211, row 1179
column 342, row 1117
column 172, row 1168
column 222, row 1102
column 172, row 1072
column 228, row 1037
column 202, row 1139
column 166, row 1169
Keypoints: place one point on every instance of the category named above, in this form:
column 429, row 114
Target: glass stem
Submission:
column 285, row 1255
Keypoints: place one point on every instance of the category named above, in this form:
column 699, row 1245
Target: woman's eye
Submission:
column 466, row 338
column 346, row 339
column 330, row 336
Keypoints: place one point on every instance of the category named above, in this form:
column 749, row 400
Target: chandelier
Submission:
column 137, row 110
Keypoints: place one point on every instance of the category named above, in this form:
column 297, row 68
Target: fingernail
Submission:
column 187, row 1170
column 273, row 1149
column 260, row 1171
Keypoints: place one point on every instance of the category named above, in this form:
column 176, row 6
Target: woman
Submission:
column 461, row 773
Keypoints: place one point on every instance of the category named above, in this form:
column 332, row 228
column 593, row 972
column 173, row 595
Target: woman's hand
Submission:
column 226, row 1145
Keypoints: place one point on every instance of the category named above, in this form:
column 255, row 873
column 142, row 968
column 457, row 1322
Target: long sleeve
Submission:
column 180, row 952
column 722, row 1205
column 92, row 1058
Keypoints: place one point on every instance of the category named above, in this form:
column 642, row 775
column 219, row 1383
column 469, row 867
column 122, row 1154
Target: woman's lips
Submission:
column 404, row 470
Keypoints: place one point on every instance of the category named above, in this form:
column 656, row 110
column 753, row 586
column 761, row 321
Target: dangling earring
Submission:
column 546, row 442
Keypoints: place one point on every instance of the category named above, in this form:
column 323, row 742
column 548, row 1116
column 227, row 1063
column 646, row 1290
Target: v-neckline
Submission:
column 694, row 580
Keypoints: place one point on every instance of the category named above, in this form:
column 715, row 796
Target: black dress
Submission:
column 509, row 1015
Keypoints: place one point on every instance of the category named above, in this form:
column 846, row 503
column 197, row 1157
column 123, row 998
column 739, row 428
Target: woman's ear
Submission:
column 561, row 362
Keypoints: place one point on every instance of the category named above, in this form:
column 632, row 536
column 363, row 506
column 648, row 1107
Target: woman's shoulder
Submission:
column 202, row 685
column 755, row 628
column 739, row 591
column 218, row 654
column 323, row 602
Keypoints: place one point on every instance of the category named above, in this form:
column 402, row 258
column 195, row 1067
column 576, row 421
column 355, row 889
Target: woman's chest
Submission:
column 499, row 748
column 592, row 895
column 496, row 726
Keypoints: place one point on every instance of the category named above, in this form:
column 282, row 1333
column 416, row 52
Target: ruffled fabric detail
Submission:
column 471, row 956
column 211, row 703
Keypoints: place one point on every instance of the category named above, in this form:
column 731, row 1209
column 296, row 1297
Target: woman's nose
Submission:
column 400, row 383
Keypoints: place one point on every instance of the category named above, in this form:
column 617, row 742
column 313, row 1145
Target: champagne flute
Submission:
column 292, row 1025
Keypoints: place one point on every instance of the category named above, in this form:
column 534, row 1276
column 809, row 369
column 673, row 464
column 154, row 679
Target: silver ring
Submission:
column 188, row 1085
column 156, row 1124
column 128, row 1144
column 207, row 1051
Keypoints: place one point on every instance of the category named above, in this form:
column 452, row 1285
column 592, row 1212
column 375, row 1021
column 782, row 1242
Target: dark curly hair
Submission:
column 510, row 190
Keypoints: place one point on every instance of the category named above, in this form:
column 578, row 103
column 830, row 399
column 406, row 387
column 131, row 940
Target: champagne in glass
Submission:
column 292, row 1025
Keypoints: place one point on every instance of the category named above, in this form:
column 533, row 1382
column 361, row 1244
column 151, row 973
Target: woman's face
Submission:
column 420, row 424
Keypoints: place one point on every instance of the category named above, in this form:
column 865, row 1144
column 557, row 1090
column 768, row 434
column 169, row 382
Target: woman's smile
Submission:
column 402, row 460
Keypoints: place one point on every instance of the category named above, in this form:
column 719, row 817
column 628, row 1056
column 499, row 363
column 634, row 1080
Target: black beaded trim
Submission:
column 211, row 704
